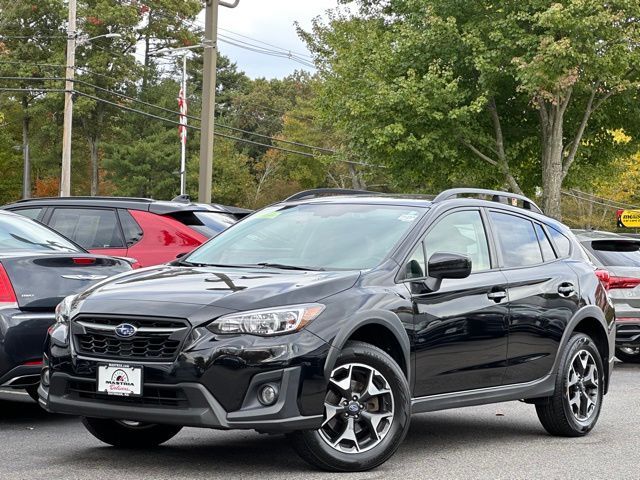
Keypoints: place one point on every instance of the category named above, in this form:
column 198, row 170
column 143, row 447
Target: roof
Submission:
column 160, row 207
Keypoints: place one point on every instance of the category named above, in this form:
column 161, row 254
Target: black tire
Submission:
column 125, row 434
column 556, row 413
column 32, row 390
column 311, row 444
column 628, row 357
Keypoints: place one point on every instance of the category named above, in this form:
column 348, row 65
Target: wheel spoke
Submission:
column 373, row 421
column 331, row 411
column 349, row 434
column 573, row 378
column 371, row 389
column 591, row 377
column 344, row 385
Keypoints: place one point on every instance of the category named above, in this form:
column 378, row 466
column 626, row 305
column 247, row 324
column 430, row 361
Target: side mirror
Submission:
column 180, row 255
column 449, row 265
column 441, row 265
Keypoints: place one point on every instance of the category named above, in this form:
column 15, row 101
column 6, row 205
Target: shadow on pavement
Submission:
column 17, row 409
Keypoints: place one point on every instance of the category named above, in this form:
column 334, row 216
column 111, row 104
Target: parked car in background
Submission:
column 334, row 319
column 151, row 231
column 38, row 268
column 618, row 257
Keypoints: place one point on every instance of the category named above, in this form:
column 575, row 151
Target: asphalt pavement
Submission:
column 494, row 441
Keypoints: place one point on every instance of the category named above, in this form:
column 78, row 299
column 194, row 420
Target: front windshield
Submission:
column 18, row 233
column 313, row 236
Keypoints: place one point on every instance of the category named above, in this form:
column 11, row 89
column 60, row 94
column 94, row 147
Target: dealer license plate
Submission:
column 121, row 380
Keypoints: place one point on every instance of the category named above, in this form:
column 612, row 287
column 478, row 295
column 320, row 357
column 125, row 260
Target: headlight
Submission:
column 268, row 321
column 63, row 309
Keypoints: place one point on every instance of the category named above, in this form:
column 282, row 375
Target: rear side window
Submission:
column 517, row 240
column 545, row 244
column 91, row 228
column 132, row 231
column 563, row 244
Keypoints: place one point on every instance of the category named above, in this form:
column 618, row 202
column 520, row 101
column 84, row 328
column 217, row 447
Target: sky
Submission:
column 270, row 21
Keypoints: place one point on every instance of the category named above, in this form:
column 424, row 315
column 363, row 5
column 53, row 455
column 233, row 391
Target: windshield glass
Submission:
column 314, row 236
column 18, row 233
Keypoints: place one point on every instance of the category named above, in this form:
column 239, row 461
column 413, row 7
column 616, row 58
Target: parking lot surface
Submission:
column 493, row 441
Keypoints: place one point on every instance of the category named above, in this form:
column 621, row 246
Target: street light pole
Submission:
column 207, row 120
column 65, row 176
column 183, row 136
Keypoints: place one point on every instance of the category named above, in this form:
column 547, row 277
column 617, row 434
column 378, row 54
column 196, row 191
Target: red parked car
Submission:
column 150, row 231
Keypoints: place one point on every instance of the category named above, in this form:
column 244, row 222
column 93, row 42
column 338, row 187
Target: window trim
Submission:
column 52, row 211
column 431, row 225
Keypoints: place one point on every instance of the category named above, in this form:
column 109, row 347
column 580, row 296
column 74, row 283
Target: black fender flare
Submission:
column 588, row 311
column 384, row 318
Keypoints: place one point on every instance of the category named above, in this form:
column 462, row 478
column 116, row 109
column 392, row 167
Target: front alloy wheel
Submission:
column 358, row 408
column 367, row 411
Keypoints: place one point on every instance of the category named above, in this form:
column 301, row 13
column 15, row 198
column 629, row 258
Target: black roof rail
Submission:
column 496, row 196
column 327, row 192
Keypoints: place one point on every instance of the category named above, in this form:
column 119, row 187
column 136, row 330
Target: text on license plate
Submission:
column 117, row 379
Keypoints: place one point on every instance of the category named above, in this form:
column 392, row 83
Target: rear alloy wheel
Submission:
column 628, row 354
column 367, row 413
column 129, row 434
column 574, row 408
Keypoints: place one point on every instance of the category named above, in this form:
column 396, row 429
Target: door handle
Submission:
column 566, row 289
column 497, row 296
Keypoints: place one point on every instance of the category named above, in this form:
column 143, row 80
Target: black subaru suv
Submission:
column 333, row 318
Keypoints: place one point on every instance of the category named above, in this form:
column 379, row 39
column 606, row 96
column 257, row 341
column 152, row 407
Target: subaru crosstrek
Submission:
column 333, row 319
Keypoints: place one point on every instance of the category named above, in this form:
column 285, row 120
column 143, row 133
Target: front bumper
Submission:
column 213, row 383
column 184, row 404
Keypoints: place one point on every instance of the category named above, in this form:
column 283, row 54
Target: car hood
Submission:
column 226, row 288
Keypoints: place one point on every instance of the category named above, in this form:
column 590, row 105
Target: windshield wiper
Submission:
column 283, row 266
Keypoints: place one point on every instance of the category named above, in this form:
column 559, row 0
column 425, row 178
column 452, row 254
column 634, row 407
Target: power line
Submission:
column 612, row 202
column 595, row 202
column 158, row 107
column 266, row 43
column 263, row 51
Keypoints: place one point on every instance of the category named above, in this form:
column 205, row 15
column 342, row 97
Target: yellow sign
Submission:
column 629, row 218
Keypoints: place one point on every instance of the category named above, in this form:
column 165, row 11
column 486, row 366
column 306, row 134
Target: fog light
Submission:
column 45, row 377
column 268, row 394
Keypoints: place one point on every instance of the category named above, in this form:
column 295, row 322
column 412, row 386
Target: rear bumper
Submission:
column 22, row 337
column 184, row 404
column 628, row 332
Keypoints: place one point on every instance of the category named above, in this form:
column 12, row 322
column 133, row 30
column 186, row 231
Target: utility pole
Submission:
column 65, row 176
column 183, row 133
column 207, row 121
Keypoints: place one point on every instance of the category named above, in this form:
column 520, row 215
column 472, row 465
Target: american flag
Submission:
column 182, row 104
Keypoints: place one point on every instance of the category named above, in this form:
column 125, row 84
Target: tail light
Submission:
column 7, row 294
column 612, row 282
column 604, row 278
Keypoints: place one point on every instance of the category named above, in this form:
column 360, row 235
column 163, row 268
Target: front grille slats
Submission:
column 155, row 339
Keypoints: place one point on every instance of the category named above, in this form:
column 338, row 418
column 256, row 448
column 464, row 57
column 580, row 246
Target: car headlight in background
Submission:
column 268, row 321
column 63, row 309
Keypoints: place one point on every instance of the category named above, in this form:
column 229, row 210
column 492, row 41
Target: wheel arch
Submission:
column 382, row 329
column 591, row 321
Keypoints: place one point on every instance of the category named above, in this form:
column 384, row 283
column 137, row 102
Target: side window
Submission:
column 416, row 265
column 32, row 213
column 460, row 232
column 517, row 239
column 132, row 231
column 545, row 244
column 562, row 243
column 91, row 228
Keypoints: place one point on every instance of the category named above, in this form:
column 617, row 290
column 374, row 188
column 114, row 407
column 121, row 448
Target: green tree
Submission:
column 434, row 87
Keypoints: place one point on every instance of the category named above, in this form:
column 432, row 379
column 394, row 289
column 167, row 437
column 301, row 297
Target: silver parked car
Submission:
column 618, row 258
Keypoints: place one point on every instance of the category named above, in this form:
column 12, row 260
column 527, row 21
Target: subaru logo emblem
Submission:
column 126, row 330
